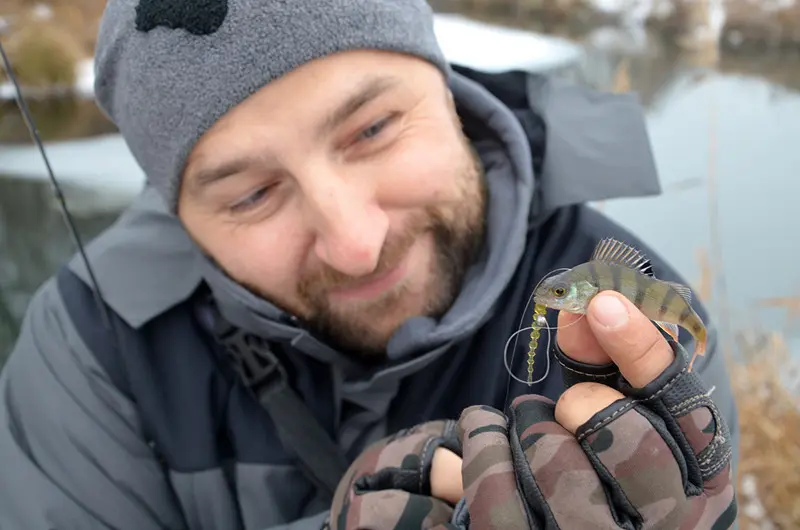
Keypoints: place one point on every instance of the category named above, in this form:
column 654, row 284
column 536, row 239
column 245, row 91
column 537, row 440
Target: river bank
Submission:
column 49, row 42
column 766, row 390
column 736, row 26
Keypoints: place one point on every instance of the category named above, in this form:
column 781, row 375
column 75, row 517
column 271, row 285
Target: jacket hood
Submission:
column 594, row 146
column 503, row 149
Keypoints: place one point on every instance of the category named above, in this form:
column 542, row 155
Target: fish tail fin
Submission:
column 699, row 349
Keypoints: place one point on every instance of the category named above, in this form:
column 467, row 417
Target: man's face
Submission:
column 345, row 193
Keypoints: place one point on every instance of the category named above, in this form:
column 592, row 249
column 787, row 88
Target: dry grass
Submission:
column 80, row 18
column 769, row 413
column 766, row 384
column 43, row 54
column 44, row 44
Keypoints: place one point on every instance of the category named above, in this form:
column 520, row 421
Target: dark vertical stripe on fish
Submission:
column 628, row 280
column 616, row 278
column 653, row 295
column 686, row 314
column 668, row 296
column 604, row 276
column 641, row 288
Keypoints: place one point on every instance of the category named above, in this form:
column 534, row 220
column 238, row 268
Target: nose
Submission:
column 350, row 226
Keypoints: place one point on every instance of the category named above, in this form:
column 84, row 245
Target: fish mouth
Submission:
column 542, row 299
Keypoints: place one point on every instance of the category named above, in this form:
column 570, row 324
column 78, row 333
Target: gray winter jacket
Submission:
column 179, row 445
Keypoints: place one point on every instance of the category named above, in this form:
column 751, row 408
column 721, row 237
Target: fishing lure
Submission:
column 619, row 267
column 539, row 322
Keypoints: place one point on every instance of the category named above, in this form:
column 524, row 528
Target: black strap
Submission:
column 320, row 457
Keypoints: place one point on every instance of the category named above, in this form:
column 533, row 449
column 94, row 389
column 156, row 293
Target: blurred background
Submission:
column 720, row 81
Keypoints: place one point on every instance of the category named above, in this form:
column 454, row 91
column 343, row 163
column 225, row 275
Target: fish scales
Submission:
column 618, row 267
column 655, row 298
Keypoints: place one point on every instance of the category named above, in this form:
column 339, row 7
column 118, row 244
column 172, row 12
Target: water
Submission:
column 724, row 140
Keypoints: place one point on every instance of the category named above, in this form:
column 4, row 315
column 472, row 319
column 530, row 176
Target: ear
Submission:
column 451, row 99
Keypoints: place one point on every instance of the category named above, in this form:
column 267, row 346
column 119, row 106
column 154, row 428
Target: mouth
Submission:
column 374, row 285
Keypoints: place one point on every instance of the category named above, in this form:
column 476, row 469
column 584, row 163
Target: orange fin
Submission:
column 699, row 351
column 671, row 329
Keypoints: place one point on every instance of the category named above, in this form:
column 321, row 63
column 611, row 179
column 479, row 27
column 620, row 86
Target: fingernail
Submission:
column 609, row 311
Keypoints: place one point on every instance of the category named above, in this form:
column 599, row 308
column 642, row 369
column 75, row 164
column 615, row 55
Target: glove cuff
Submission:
column 574, row 372
column 460, row 516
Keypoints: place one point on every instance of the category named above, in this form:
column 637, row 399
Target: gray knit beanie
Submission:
column 166, row 70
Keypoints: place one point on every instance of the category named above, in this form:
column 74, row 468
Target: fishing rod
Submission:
column 32, row 129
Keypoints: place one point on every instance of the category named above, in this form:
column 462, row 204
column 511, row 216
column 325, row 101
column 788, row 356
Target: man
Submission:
column 339, row 234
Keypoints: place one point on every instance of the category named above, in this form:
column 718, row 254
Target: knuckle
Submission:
column 648, row 355
column 644, row 350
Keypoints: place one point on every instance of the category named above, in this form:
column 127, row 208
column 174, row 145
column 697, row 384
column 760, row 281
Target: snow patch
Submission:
column 101, row 162
column 495, row 48
column 43, row 11
column 635, row 12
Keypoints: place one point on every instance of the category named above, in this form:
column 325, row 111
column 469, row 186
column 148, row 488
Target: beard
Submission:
column 363, row 330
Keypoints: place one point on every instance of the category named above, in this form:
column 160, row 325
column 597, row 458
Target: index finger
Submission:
column 576, row 339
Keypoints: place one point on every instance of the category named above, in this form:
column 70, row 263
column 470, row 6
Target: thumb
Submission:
column 634, row 344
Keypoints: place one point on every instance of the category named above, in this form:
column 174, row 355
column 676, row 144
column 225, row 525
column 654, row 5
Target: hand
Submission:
column 647, row 449
column 395, row 484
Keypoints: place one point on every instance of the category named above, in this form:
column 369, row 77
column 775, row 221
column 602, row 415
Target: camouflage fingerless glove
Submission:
column 388, row 485
column 659, row 458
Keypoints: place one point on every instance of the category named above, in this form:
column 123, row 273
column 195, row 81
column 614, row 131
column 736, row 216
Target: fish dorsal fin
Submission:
column 615, row 252
column 685, row 292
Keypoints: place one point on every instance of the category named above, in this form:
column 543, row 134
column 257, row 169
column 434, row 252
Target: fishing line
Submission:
column 32, row 129
column 547, row 349
column 508, row 367
column 516, row 334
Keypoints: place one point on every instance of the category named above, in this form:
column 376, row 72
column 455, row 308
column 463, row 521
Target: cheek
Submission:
column 424, row 168
column 247, row 254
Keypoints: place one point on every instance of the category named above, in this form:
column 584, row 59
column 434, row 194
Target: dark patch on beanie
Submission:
column 198, row 17
column 203, row 57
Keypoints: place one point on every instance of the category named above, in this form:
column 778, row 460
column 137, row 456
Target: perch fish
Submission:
column 619, row 267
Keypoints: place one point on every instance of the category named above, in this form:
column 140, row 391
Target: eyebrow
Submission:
column 366, row 91
column 206, row 176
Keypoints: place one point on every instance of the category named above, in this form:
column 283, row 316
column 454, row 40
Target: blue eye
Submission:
column 374, row 129
column 251, row 200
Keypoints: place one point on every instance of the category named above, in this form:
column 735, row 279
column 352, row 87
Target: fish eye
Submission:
column 559, row 291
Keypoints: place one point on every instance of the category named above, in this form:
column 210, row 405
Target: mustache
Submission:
column 324, row 278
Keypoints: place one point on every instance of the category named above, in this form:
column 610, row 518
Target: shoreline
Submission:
column 739, row 28
column 734, row 26
column 81, row 88
column 463, row 40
